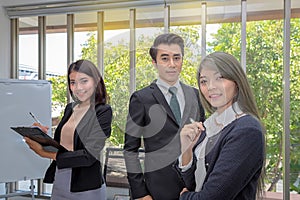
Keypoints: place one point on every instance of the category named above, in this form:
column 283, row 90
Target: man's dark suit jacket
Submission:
column 152, row 125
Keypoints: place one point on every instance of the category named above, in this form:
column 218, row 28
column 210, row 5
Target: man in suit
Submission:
column 155, row 118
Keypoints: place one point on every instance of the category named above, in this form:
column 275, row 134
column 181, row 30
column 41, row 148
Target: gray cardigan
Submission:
column 92, row 131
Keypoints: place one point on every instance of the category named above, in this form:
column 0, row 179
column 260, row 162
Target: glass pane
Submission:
column 149, row 25
column 116, row 60
column 116, row 72
column 85, row 36
column 28, row 48
column 295, row 101
column 56, row 67
column 56, row 45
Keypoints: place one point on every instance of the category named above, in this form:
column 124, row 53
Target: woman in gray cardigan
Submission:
column 223, row 158
column 76, row 171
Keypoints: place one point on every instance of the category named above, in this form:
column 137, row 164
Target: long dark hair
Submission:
column 88, row 68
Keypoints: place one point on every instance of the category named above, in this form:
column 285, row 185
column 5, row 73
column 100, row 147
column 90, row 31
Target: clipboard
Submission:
column 36, row 134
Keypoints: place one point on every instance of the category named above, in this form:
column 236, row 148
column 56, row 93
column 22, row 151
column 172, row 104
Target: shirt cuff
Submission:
column 185, row 167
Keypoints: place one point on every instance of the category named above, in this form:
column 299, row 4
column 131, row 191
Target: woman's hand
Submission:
column 189, row 136
column 183, row 191
column 38, row 149
column 35, row 146
column 43, row 128
column 148, row 197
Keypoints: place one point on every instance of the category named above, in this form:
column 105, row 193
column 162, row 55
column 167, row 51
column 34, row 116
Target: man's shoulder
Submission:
column 188, row 87
column 146, row 89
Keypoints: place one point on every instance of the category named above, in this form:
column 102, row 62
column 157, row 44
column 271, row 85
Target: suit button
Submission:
column 206, row 164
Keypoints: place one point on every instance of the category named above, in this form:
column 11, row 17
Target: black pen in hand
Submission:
column 39, row 124
column 35, row 119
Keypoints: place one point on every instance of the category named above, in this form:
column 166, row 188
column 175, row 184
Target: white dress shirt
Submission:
column 164, row 88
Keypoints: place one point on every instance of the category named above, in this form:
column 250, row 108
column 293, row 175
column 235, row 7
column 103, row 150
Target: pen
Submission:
column 191, row 120
column 35, row 119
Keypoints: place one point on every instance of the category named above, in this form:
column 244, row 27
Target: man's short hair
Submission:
column 167, row 38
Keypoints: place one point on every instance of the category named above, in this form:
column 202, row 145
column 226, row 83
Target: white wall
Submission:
column 4, row 55
column 4, row 44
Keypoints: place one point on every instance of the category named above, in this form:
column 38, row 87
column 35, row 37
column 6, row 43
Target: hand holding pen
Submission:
column 189, row 136
column 38, row 123
column 190, row 133
column 197, row 125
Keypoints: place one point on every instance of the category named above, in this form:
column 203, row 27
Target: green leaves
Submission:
column 59, row 93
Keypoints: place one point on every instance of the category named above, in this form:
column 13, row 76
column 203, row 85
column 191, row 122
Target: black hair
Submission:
column 167, row 38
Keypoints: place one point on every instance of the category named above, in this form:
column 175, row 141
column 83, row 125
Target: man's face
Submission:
column 168, row 62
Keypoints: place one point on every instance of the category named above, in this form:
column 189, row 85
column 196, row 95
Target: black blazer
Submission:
column 233, row 164
column 89, row 139
column 152, row 124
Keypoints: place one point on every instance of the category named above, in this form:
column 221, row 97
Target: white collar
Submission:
column 216, row 122
column 164, row 87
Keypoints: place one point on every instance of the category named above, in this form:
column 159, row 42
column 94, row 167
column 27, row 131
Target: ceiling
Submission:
column 148, row 11
column 6, row 3
column 71, row 5
column 28, row 2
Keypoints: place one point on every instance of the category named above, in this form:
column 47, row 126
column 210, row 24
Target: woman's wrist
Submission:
column 50, row 155
column 187, row 156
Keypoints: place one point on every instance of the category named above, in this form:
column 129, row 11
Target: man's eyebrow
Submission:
column 165, row 54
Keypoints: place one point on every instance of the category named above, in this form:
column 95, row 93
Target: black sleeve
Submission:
column 188, row 176
column 132, row 144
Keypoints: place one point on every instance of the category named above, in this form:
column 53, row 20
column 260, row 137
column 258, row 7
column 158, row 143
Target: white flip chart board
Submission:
column 17, row 99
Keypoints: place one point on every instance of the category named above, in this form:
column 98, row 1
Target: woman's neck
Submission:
column 83, row 105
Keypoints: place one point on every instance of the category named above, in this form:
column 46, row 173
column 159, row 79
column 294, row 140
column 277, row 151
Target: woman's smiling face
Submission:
column 218, row 91
column 82, row 86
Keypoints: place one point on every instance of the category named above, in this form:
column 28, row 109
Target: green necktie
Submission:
column 174, row 104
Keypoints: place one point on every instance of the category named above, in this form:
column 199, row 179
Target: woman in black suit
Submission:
column 76, row 171
column 223, row 158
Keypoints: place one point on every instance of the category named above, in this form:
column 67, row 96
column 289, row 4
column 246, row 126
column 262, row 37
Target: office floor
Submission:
column 112, row 194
